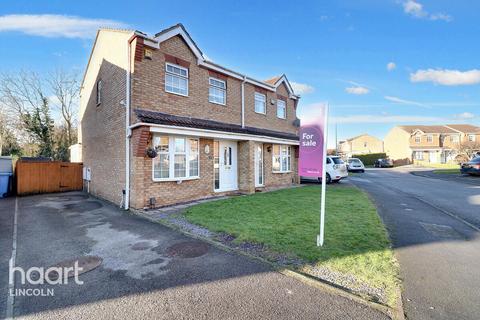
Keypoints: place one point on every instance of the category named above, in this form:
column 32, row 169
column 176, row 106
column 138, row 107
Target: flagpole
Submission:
column 324, row 183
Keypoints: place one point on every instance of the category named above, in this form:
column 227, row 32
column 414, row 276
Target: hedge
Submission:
column 369, row 159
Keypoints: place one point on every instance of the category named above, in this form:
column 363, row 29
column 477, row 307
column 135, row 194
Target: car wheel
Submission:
column 328, row 179
column 362, row 171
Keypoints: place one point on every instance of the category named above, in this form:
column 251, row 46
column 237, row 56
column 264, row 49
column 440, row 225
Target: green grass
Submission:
column 437, row 165
column 447, row 171
column 287, row 222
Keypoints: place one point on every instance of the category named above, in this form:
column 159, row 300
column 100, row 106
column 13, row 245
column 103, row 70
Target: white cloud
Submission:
column 52, row 25
column 415, row 9
column 447, row 77
column 358, row 90
column 391, row 66
column 403, row 101
column 302, row 88
column 465, row 116
column 385, row 119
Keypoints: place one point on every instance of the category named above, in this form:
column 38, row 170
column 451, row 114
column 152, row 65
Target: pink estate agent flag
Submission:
column 312, row 133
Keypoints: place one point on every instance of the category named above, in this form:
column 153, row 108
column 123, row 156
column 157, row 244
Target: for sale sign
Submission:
column 312, row 148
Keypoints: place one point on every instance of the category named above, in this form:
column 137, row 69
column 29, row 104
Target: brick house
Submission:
column 361, row 144
column 208, row 130
column 432, row 144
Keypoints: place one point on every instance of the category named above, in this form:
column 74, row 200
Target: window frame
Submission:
column 171, row 156
column 99, row 87
column 281, row 156
column 429, row 138
column 471, row 138
column 454, row 138
column 264, row 103
column 224, row 89
column 284, row 109
column 418, row 139
column 167, row 73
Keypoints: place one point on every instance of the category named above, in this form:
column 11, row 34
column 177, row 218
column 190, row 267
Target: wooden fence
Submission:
column 44, row 177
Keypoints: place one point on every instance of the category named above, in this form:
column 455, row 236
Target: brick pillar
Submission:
column 246, row 166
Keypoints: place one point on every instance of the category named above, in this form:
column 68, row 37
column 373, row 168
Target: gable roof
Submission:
column 464, row 128
column 428, row 129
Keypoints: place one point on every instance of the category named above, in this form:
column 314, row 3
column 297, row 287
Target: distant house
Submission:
column 434, row 144
column 362, row 144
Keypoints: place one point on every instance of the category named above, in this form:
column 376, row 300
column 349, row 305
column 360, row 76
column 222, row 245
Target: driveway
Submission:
column 434, row 227
column 148, row 271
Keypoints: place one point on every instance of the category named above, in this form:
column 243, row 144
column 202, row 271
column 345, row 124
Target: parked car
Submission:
column 472, row 167
column 336, row 170
column 355, row 165
column 383, row 163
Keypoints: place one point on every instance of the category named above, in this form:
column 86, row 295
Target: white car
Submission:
column 336, row 170
column 355, row 165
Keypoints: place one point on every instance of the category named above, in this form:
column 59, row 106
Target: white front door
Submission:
column 433, row 157
column 227, row 166
column 259, row 165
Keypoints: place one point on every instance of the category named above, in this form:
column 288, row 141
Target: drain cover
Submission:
column 188, row 249
column 87, row 263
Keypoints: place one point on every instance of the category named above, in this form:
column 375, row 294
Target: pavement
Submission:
column 147, row 271
column 434, row 225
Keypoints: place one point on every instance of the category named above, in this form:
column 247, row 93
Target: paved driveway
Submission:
column 142, row 276
column 434, row 226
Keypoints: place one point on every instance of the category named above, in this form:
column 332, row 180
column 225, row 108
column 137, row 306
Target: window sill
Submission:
column 220, row 104
column 177, row 94
column 282, row 171
column 174, row 179
column 281, row 118
column 262, row 113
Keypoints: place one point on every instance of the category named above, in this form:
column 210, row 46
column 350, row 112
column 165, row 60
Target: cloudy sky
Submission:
column 377, row 63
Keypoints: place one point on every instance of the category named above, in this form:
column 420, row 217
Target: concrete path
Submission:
column 434, row 227
column 148, row 271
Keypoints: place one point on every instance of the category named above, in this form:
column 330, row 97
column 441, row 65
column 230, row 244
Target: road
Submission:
column 145, row 273
column 434, row 226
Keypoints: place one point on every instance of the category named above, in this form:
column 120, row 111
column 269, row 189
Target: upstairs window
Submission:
column 176, row 79
column 99, row 92
column 217, row 91
column 417, row 139
column 281, row 158
column 455, row 138
column 471, row 137
column 260, row 103
column 281, row 109
column 429, row 138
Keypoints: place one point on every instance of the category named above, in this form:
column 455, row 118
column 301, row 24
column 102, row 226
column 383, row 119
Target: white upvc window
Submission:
column 281, row 109
column 217, row 91
column 176, row 79
column 419, row 155
column 429, row 138
column 281, row 159
column 455, row 138
column 471, row 138
column 260, row 103
column 417, row 139
column 177, row 158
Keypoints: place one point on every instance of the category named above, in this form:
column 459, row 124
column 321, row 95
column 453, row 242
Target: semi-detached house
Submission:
column 161, row 124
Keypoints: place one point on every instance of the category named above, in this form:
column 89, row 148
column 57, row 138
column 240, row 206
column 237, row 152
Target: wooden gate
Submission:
column 44, row 177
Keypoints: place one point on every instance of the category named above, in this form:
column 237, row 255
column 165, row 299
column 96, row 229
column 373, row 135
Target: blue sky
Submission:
column 377, row 63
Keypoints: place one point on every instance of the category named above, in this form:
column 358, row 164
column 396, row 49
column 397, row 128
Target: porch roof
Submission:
column 154, row 117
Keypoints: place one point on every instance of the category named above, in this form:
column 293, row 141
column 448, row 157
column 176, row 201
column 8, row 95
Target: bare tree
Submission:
column 66, row 89
column 466, row 150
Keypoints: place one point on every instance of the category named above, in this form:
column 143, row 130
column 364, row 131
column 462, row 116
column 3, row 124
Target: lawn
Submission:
column 286, row 221
column 447, row 171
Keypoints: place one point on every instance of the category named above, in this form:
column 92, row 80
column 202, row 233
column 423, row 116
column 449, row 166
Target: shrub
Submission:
column 369, row 159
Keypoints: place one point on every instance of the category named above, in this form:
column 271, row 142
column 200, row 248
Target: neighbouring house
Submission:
column 362, row 144
column 433, row 144
column 162, row 124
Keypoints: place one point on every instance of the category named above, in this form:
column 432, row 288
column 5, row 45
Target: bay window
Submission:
column 177, row 158
column 176, row 79
column 281, row 160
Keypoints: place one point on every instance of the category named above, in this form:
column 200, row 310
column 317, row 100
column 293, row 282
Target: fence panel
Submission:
column 44, row 177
